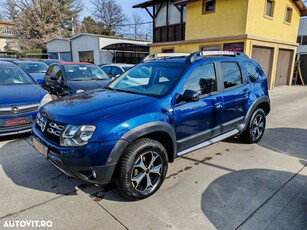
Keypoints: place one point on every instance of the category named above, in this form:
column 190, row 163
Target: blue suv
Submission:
column 165, row 107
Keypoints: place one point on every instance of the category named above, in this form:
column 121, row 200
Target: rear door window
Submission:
column 232, row 76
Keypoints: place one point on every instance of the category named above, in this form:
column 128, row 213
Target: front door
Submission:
column 198, row 121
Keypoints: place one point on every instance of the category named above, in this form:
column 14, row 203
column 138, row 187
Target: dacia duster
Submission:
column 163, row 108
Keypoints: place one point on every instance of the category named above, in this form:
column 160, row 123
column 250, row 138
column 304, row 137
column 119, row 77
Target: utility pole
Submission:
column 72, row 26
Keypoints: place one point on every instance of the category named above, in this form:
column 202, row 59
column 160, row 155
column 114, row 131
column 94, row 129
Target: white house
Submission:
column 98, row 49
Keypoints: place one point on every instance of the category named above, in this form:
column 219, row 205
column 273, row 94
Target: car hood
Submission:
column 87, row 85
column 88, row 108
column 20, row 94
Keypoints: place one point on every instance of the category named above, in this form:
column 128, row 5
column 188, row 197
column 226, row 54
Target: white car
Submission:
column 116, row 69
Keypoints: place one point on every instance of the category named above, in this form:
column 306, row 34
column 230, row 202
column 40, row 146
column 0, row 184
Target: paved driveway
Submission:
column 229, row 185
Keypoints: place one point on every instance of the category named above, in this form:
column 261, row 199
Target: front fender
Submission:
column 140, row 131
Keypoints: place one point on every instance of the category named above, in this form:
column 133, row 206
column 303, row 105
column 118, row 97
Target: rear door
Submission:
column 235, row 95
column 198, row 121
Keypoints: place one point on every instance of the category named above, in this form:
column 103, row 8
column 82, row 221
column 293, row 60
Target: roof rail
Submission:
column 200, row 54
column 152, row 57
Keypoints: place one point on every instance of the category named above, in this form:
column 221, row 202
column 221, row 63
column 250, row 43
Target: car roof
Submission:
column 119, row 65
column 74, row 63
column 8, row 59
column 21, row 61
column 7, row 64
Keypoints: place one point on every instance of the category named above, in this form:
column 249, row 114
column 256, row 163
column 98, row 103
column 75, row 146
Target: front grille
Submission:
column 51, row 130
column 18, row 109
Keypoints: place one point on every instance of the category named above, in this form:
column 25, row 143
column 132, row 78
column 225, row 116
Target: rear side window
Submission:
column 202, row 80
column 253, row 71
column 231, row 74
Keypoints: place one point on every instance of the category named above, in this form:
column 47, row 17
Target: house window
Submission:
column 299, row 38
column 208, row 6
column 269, row 8
column 304, row 42
column 288, row 14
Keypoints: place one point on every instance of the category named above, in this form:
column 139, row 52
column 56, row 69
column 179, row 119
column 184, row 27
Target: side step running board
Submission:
column 208, row 142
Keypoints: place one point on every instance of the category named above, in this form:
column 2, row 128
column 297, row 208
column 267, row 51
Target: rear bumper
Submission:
column 76, row 162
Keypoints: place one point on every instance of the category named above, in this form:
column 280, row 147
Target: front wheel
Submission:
column 256, row 127
column 141, row 169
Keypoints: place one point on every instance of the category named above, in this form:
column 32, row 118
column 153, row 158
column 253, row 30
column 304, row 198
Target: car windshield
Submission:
column 39, row 67
column 84, row 72
column 154, row 79
column 14, row 76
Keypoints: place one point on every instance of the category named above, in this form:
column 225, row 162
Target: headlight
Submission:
column 76, row 135
column 47, row 98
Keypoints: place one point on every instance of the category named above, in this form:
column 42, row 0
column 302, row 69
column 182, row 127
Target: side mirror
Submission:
column 189, row 96
column 54, row 77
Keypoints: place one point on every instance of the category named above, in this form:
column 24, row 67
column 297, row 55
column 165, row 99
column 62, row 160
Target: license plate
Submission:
column 16, row 121
column 42, row 149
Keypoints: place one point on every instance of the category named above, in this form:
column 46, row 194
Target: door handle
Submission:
column 218, row 105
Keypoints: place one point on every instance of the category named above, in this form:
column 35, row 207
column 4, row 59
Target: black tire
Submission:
column 144, row 161
column 256, row 127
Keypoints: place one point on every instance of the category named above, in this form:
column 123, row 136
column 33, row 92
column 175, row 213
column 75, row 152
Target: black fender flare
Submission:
column 252, row 108
column 140, row 131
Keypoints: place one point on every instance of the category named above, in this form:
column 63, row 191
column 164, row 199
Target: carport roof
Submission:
column 127, row 47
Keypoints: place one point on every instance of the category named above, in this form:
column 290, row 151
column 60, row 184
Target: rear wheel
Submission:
column 142, row 169
column 256, row 127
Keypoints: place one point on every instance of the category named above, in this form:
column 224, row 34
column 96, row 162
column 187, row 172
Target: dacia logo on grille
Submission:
column 43, row 125
column 15, row 109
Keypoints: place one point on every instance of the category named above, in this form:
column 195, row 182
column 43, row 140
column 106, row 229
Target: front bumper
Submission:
column 84, row 163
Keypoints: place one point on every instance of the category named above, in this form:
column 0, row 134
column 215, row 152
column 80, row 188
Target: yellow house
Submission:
column 265, row 30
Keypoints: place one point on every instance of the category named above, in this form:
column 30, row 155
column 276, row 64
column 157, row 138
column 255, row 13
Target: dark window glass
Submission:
column 299, row 39
column 304, row 42
column 231, row 74
column 50, row 70
column 252, row 70
column 164, row 34
column 288, row 15
column 202, row 80
column 116, row 71
column 208, row 6
column 106, row 69
column 269, row 10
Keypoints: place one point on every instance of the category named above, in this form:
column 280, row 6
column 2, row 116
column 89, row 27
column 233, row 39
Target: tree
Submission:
column 89, row 25
column 110, row 14
column 40, row 20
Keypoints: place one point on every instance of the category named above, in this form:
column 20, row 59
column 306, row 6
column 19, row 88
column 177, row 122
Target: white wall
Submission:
column 85, row 43
column 58, row 45
column 106, row 57
column 302, row 32
column 2, row 44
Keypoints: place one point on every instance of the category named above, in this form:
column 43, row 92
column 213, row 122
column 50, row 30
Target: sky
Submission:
column 126, row 7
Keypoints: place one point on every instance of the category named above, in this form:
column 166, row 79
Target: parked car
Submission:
column 8, row 59
column 20, row 98
column 48, row 62
column 116, row 69
column 130, row 132
column 66, row 78
column 36, row 69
